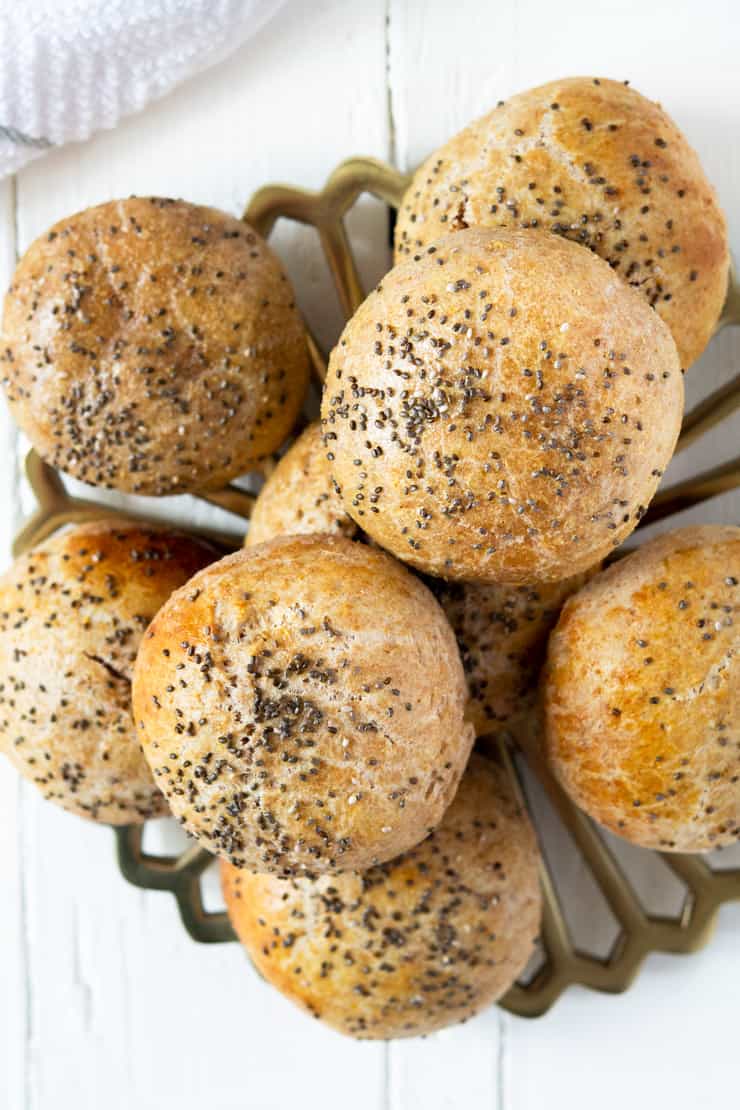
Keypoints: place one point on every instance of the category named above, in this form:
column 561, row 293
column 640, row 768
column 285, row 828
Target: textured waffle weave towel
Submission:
column 71, row 67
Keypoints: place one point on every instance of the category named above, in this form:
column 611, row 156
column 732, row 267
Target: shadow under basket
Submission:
column 607, row 904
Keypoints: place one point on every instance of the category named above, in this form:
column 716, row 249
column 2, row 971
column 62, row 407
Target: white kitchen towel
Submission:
column 71, row 67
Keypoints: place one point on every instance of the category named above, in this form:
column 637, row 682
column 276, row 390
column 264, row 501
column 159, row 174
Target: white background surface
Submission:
column 105, row 1003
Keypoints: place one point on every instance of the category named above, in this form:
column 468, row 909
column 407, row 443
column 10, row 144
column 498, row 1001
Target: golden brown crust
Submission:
column 502, row 410
column 642, row 693
column 301, row 704
column 416, row 944
column 502, row 636
column 153, row 346
column 299, row 498
column 72, row 613
column 594, row 161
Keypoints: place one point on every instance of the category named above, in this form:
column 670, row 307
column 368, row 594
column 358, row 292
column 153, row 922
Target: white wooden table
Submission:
column 105, row 1002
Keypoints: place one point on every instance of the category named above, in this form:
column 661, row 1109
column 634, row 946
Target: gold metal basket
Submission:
column 561, row 962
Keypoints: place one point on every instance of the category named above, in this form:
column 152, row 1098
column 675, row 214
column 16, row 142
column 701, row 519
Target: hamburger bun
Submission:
column 642, row 693
column 153, row 346
column 502, row 410
column 301, row 706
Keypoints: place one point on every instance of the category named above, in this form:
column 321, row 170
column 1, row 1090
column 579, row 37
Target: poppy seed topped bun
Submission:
column 299, row 497
column 502, row 410
column 594, row 161
column 301, row 705
column 72, row 613
column 502, row 635
column 153, row 346
column 642, row 693
column 415, row 944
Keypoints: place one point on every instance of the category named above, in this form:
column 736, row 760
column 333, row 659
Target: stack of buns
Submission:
column 495, row 420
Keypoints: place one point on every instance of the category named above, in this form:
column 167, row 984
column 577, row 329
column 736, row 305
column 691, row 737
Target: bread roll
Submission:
column 413, row 945
column 502, row 410
column 595, row 161
column 642, row 693
column 72, row 613
column 153, row 346
column 301, row 705
column 299, row 497
column 502, row 635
